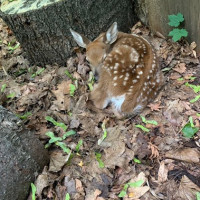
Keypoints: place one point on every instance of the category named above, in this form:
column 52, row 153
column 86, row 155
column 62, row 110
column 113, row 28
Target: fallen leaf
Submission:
column 57, row 161
column 187, row 189
column 162, row 172
column 180, row 68
column 155, row 106
column 41, row 182
column 79, row 186
column 154, row 151
column 187, row 154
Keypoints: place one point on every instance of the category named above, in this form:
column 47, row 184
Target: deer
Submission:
column 128, row 71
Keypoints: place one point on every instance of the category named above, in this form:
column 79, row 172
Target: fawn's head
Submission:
column 97, row 50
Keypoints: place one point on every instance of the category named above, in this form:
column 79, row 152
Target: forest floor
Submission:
column 159, row 162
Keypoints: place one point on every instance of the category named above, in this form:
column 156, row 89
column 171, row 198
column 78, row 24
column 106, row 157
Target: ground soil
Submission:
column 163, row 160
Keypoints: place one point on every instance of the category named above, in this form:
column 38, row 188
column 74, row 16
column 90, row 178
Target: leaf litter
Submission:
column 62, row 94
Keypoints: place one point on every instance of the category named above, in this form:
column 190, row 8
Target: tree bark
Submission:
column 155, row 14
column 43, row 30
column 22, row 156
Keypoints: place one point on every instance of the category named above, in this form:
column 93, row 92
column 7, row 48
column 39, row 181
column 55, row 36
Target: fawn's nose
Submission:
column 96, row 76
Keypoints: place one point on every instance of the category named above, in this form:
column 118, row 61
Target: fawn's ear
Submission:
column 81, row 40
column 111, row 34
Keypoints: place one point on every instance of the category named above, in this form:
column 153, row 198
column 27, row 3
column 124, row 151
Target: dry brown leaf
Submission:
column 187, row 189
column 79, row 186
column 175, row 76
column 180, row 68
column 57, row 161
column 137, row 192
column 162, row 172
column 155, row 106
column 188, row 155
column 154, row 151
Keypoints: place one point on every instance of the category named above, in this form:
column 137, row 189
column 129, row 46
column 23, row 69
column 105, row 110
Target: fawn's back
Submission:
column 129, row 74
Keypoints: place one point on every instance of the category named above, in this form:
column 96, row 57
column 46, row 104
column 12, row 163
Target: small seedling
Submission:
column 148, row 121
column 196, row 89
column 3, row 87
column 189, row 129
column 135, row 184
column 80, row 143
column 177, row 33
column 69, row 75
column 67, row 197
column 105, row 133
column 142, row 127
column 11, row 95
column 98, row 158
column 33, row 189
column 72, row 89
column 198, row 195
column 25, row 116
column 91, row 81
column 37, row 72
column 12, row 48
column 55, row 123
column 137, row 161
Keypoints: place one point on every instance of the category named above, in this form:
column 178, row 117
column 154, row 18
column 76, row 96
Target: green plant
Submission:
column 72, row 89
column 69, row 75
column 198, row 195
column 67, row 197
column 3, row 87
column 24, row 116
column 144, row 120
column 98, row 158
column 91, row 81
column 80, row 143
column 33, row 189
column 142, row 128
column 12, row 47
column 105, row 133
column 189, row 129
column 137, row 161
column 11, row 95
column 55, row 123
column 175, row 21
column 135, row 184
column 37, row 72
column 196, row 89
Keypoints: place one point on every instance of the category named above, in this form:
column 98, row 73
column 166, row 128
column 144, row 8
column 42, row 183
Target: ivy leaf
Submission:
column 175, row 20
column 142, row 127
column 189, row 131
column 177, row 34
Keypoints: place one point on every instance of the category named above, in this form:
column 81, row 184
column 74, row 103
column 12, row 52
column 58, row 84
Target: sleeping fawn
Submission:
column 129, row 74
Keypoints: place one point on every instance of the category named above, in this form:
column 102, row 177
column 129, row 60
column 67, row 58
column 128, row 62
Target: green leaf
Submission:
column 3, row 87
column 198, row 195
column 37, row 73
column 63, row 146
column 67, row 197
column 122, row 194
column 196, row 88
column 80, row 143
column 69, row 75
column 105, row 133
column 55, row 139
column 180, row 79
column 137, row 161
column 191, row 121
column 189, row 131
column 33, row 188
column 142, row 127
column 72, row 89
column 25, row 116
column 91, row 81
column 11, row 95
column 68, row 133
column 198, row 114
column 98, row 158
column 55, row 123
column 136, row 184
column 50, row 134
column 175, row 20
column 148, row 121
column 177, row 34
column 195, row 99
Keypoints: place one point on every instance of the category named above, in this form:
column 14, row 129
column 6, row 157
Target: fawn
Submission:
column 129, row 74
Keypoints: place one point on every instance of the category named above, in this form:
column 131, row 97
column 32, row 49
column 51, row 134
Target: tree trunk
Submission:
column 43, row 29
column 21, row 157
column 155, row 14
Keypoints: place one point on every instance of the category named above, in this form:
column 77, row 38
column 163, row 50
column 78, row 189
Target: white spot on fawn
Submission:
column 118, row 101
